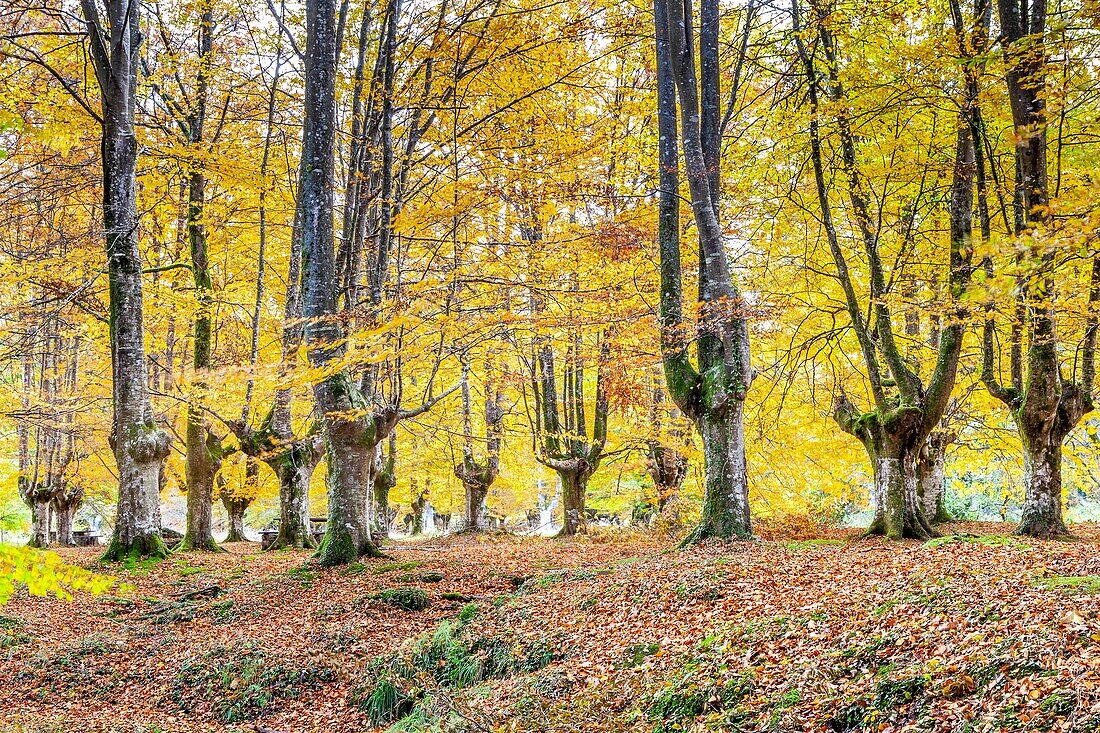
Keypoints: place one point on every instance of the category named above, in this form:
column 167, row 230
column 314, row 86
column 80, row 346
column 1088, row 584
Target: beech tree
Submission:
column 895, row 431
column 561, row 435
column 1045, row 405
column 138, row 444
column 478, row 475
column 711, row 392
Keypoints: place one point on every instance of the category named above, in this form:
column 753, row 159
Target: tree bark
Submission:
column 931, row 476
column 477, row 476
column 235, row 508
column 667, row 467
column 294, row 468
column 383, row 478
column 204, row 453
column 1042, row 510
column 725, row 501
column 66, row 500
column 574, row 486
column 139, row 446
column 39, row 503
column 204, row 460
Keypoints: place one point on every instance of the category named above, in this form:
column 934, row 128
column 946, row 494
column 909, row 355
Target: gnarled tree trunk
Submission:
column 204, row 460
column 383, row 479
column 66, row 500
column 477, row 476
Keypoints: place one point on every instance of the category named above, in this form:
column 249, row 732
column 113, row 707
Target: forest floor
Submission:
column 979, row 632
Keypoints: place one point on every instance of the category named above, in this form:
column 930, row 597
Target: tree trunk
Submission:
column 726, row 500
column 419, row 502
column 203, row 462
column 348, row 533
column 712, row 395
column 1042, row 513
column 931, row 481
column 574, row 485
column 137, row 519
column 383, row 478
column 66, row 501
column 352, row 432
column 203, row 455
column 235, row 508
column 64, row 516
column 474, row 514
column 139, row 446
column 40, row 521
column 899, row 512
column 294, row 468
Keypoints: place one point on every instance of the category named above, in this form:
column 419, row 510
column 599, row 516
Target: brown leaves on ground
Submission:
column 977, row 633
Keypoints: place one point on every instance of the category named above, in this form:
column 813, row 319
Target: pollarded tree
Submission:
column 355, row 421
column 1044, row 404
column 561, row 437
column 292, row 453
column 894, row 433
column 711, row 392
column 47, row 433
column 478, row 475
column 139, row 445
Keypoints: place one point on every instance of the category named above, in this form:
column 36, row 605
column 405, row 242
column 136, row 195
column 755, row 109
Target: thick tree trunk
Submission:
column 203, row 461
column 348, row 533
column 137, row 519
column 726, row 501
column 294, row 469
column 474, row 513
column 65, row 503
column 931, row 477
column 352, row 437
column 713, row 395
column 235, row 509
column 65, row 524
column 1042, row 512
column 40, row 521
column 899, row 512
column 574, row 485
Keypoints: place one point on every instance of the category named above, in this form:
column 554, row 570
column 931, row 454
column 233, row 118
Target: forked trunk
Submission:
column 64, row 516
column 65, row 503
column 475, row 512
column 235, row 508
column 203, row 462
column 898, row 509
column 726, row 502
